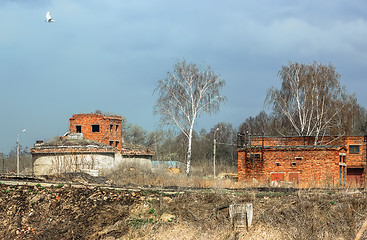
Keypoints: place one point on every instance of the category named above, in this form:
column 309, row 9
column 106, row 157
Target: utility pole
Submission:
column 18, row 155
column 18, row 152
column 214, row 145
column 2, row 155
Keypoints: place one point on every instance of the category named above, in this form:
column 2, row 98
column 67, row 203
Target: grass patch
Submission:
column 138, row 222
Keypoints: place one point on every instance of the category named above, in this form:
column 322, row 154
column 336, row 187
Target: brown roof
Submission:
column 131, row 149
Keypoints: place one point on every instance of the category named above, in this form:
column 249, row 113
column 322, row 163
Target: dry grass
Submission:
column 131, row 174
column 306, row 214
column 180, row 231
column 196, row 218
column 99, row 213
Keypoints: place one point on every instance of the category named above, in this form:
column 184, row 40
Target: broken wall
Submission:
column 100, row 128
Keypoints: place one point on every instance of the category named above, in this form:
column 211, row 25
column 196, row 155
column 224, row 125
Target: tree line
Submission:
column 8, row 162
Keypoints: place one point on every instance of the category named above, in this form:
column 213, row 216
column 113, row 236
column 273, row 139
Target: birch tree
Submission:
column 310, row 97
column 184, row 95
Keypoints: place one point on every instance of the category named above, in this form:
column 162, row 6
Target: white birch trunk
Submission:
column 188, row 163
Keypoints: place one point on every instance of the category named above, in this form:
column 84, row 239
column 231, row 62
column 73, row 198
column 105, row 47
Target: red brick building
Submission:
column 105, row 129
column 92, row 144
column 333, row 161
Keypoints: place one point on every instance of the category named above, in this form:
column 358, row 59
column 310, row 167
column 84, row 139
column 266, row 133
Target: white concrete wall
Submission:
column 59, row 163
column 136, row 160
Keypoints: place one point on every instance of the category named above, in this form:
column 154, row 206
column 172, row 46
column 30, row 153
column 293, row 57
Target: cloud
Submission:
column 124, row 47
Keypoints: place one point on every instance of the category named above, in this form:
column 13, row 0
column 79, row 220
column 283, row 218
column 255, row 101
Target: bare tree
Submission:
column 133, row 134
column 261, row 124
column 352, row 120
column 225, row 141
column 310, row 97
column 185, row 94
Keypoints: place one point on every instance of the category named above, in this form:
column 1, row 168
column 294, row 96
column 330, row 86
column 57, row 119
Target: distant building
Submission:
column 93, row 144
column 334, row 161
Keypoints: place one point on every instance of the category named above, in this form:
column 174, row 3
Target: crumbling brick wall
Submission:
column 306, row 167
column 295, row 159
column 105, row 129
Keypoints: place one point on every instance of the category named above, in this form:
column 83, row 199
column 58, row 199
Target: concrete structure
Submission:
column 334, row 161
column 92, row 145
column 71, row 153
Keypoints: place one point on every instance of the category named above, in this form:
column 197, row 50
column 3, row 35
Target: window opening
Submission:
column 95, row 128
column 111, row 127
column 117, row 127
column 111, row 143
column 294, row 164
column 117, row 143
column 78, row 129
column 255, row 156
column 354, row 149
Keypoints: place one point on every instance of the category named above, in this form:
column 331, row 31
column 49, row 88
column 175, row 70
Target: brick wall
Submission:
column 317, row 166
column 307, row 140
column 297, row 160
column 108, row 132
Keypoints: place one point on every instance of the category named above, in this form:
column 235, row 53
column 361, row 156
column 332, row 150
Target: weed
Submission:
column 151, row 211
column 35, row 192
column 38, row 185
column 270, row 194
column 155, row 192
column 138, row 222
column 60, row 185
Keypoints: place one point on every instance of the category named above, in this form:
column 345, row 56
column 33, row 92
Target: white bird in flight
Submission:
column 49, row 18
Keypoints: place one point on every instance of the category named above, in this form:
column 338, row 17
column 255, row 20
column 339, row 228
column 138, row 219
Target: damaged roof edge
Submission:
column 73, row 151
column 71, row 144
column 296, row 147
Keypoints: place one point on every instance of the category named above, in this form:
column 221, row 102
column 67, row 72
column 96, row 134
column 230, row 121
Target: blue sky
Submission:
column 109, row 55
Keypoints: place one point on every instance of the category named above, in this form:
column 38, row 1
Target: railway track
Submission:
column 87, row 181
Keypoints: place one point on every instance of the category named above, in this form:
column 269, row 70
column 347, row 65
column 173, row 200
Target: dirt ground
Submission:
column 82, row 207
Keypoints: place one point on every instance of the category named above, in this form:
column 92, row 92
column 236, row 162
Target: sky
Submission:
column 110, row 55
